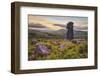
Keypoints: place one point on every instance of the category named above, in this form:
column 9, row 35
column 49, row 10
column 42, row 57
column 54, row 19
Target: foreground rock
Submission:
column 42, row 50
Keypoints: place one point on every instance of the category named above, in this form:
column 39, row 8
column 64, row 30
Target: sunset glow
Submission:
column 50, row 21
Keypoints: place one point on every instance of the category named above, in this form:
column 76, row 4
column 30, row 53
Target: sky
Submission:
column 45, row 22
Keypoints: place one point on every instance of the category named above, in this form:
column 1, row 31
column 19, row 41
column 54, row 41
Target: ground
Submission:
column 59, row 49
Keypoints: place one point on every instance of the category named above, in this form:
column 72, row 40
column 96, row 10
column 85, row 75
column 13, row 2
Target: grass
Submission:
column 60, row 49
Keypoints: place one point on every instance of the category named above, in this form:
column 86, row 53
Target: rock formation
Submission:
column 69, row 33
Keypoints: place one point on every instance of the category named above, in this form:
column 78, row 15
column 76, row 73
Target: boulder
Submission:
column 42, row 49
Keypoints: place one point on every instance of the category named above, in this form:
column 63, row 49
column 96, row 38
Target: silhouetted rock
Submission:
column 70, row 34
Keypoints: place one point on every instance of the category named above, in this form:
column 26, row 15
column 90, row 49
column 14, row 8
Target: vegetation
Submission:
column 59, row 49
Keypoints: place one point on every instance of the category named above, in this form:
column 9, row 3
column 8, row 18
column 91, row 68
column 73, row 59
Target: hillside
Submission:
column 55, row 34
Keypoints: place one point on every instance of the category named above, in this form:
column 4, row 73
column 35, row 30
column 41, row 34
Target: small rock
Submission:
column 34, row 41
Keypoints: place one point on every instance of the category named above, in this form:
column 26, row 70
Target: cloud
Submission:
column 43, row 22
column 36, row 25
column 56, row 23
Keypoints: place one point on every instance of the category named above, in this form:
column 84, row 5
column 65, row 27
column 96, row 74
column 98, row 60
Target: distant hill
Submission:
column 80, row 34
column 55, row 34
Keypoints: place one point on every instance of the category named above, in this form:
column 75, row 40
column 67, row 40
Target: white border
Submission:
column 25, row 64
